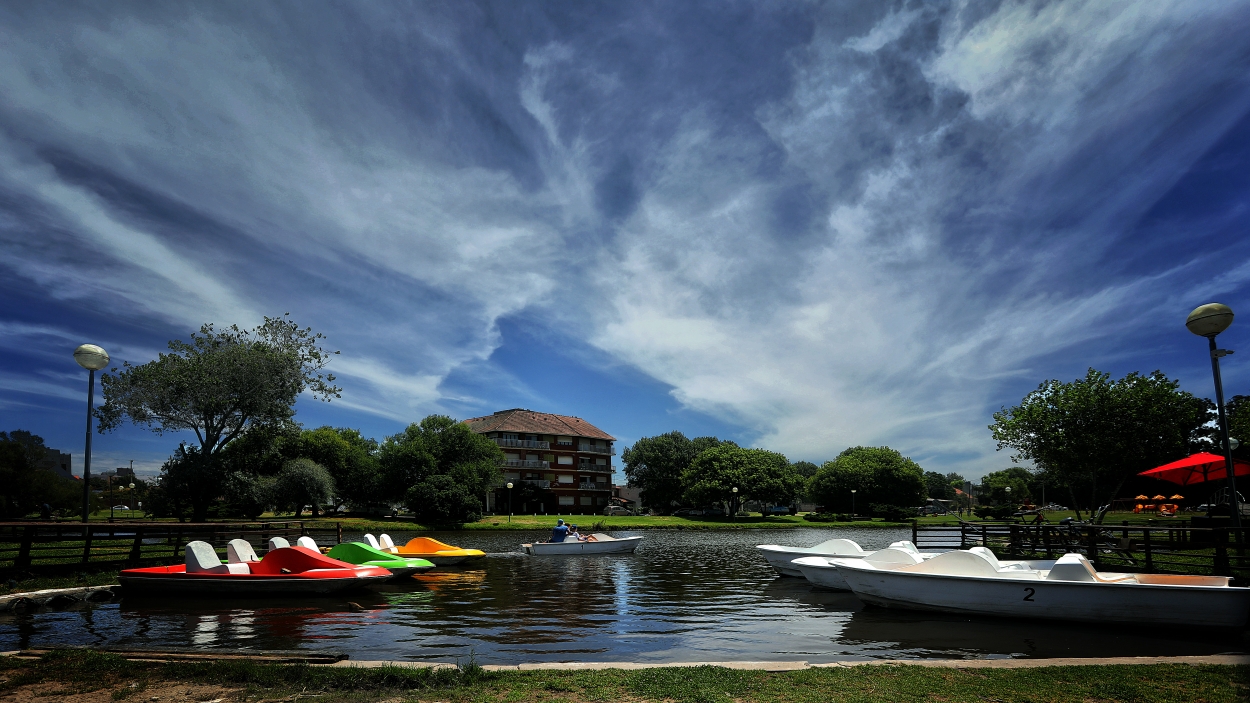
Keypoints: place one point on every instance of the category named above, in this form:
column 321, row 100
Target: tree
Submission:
column 350, row 458
column 303, row 482
column 441, row 446
column 1238, row 414
column 249, row 495
column 655, row 465
column 881, row 475
column 25, row 485
column 1095, row 432
column 994, row 486
column 220, row 383
column 938, row 486
column 441, row 500
column 758, row 475
column 806, row 469
column 189, row 480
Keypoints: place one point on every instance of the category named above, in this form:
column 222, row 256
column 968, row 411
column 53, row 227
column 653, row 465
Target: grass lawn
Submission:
column 82, row 675
column 604, row 523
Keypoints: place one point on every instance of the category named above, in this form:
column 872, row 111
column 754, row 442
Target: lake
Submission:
column 685, row 595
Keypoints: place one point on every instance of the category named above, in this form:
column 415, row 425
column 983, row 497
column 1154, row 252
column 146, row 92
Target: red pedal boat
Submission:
column 283, row 571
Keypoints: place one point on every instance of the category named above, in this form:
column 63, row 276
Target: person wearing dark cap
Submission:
column 559, row 532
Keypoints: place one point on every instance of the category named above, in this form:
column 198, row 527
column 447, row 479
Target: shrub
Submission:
column 441, row 500
column 997, row 512
column 304, row 482
column 821, row 517
column 892, row 513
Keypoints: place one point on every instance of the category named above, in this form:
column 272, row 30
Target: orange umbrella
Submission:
column 1143, row 497
column 1177, row 497
column 1160, row 498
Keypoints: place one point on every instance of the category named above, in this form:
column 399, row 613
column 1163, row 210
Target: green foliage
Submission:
column 190, row 482
column 25, row 486
column 892, row 513
column 220, row 383
column 441, row 500
column 303, row 482
column 249, row 495
column 655, row 465
column 440, row 446
column 938, row 486
column 806, row 469
column 1094, row 433
column 262, row 449
column 994, row 486
column 1238, row 413
column 758, row 475
column 879, row 474
column 351, row 459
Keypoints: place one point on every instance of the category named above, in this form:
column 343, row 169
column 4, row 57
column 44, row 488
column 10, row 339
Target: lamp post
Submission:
column 1008, row 488
column 733, row 506
column 853, row 490
column 1208, row 321
column 111, row 501
column 509, row 501
column 131, row 487
column 92, row 358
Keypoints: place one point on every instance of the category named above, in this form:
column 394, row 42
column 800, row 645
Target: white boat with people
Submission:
column 974, row 582
column 565, row 540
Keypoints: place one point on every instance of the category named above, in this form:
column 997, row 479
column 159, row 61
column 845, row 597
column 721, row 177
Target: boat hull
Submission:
column 782, row 558
column 236, row 585
column 820, row 573
column 624, row 545
column 1206, row 606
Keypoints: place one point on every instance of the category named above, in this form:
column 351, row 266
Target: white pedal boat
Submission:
column 780, row 557
column 822, row 571
column 599, row 544
column 974, row 582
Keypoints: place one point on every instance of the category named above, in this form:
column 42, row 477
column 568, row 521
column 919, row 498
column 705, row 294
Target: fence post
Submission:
column 136, row 549
column 1012, row 536
column 86, row 544
column 1092, row 546
column 1145, row 543
column 1221, row 551
column 1046, row 541
column 915, row 532
column 340, row 533
column 23, row 552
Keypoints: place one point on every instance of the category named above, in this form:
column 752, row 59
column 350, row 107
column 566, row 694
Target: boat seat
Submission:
column 388, row 545
column 202, row 559
column 239, row 551
column 972, row 562
column 1075, row 567
column 278, row 543
column 989, row 556
column 906, row 546
column 893, row 555
column 842, row 547
column 306, row 541
column 372, row 541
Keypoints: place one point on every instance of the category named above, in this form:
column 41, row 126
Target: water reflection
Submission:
column 685, row 595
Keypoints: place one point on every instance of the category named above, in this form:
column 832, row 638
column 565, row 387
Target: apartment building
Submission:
column 556, row 463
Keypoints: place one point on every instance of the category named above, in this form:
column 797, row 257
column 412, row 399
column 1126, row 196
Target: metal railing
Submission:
column 522, row 443
column 1177, row 548
column 526, row 464
column 53, row 546
column 594, row 486
column 596, row 449
column 535, row 482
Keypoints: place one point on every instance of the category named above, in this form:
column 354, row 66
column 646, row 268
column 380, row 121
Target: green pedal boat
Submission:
column 361, row 554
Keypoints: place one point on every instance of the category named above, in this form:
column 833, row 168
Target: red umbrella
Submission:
column 1197, row 468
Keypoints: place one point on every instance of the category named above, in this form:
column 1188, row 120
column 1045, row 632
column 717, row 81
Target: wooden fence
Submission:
column 57, row 546
column 1135, row 548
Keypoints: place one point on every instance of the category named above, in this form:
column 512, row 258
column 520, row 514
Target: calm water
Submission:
column 684, row 596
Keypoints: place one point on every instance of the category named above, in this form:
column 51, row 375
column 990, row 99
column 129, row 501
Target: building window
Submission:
column 564, row 440
column 566, row 460
column 587, row 500
column 566, row 500
column 509, row 435
column 566, row 478
column 601, row 462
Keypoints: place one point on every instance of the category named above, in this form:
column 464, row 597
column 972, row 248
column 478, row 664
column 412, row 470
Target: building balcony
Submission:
column 522, row 443
column 594, row 469
column 590, row 448
column 594, row 487
column 526, row 464
column 536, row 483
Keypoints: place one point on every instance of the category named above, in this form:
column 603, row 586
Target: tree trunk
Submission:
column 314, row 511
column 1075, row 507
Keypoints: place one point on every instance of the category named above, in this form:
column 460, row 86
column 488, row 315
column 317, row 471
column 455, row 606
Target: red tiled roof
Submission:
column 530, row 422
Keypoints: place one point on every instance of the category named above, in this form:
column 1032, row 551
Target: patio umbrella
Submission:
column 1197, row 468
column 1160, row 498
column 1142, row 498
column 1178, row 496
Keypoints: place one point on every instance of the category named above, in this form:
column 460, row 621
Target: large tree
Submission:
column 351, row 459
column 758, row 474
column 1094, row 433
column 440, row 446
column 655, row 466
column 879, row 475
column 220, row 383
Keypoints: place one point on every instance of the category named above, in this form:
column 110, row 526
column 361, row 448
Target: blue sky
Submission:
column 803, row 226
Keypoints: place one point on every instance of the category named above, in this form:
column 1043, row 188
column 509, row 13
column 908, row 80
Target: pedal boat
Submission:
column 284, row 571
column 431, row 550
column 974, row 582
column 597, row 544
column 780, row 557
column 822, row 571
column 361, row 554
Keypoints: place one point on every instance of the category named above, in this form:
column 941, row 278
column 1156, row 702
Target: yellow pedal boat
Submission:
column 437, row 552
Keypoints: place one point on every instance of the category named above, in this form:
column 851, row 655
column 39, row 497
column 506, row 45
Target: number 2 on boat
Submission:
column 1029, row 594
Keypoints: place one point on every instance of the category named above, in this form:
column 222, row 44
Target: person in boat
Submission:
column 559, row 532
column 575, row 534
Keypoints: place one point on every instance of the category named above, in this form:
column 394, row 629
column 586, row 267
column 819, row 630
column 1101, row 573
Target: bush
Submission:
column 248, row 495
column 892, row 513
column 997, row 512
column 304, row 482
column 821, row 517
column 441, row 500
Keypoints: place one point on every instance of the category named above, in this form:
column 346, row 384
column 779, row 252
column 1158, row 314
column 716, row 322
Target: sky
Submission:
column 802, row 226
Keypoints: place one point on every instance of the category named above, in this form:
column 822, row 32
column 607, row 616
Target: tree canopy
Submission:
column 880, row 475
column 25, row 485
column 441, row 446
column 1090, row 435
column 220, row 383
column 656, row 465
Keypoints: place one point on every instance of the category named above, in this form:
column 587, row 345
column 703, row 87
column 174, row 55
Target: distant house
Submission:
column 627, row 497
column 58, row 462
column 557, row 464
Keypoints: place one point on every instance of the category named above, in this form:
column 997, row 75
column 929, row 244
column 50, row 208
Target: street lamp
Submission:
column 853, row 490
column 129, row 496
column 1208, row 321
column 92, row 358
column 509, row 501
column 733, row 506
column 1008, row 488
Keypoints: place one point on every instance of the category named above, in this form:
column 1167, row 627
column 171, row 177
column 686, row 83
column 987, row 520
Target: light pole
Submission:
column 853, row 490
column 92, row 358
column 111, row 501
column 129, row 496
column 509, row 501
column 733, row 506
column 1208, row 321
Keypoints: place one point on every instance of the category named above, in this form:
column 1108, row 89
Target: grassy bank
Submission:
column 27, row 584
column 85, row 675
column 604, row 523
